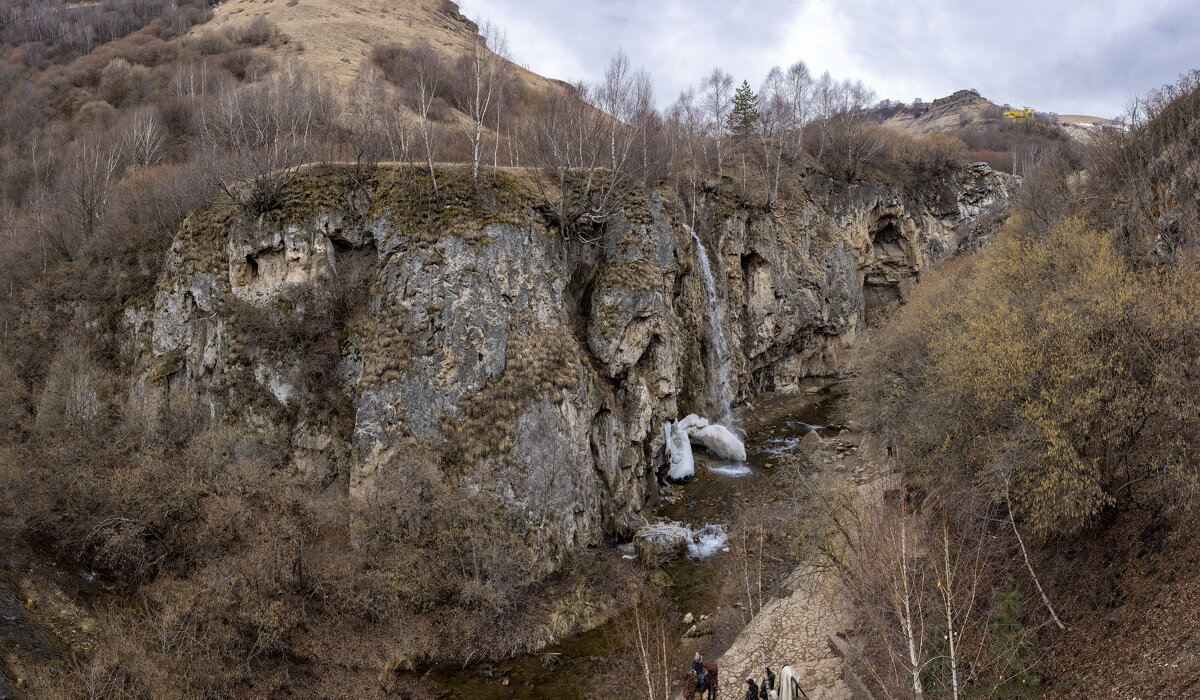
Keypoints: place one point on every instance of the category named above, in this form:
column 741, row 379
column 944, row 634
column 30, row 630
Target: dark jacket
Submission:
column 751, row 691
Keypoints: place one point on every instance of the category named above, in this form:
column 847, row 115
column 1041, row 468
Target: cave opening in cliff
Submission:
column 253, row 265
column 887, row 239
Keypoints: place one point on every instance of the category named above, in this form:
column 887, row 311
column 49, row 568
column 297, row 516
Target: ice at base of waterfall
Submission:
column 718, row 439
column 780, row 446
column 707, row 541
column 702, row 542
column 679, row 452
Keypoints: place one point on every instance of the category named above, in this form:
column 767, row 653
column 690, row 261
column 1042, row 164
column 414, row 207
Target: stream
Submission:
column 775, row 424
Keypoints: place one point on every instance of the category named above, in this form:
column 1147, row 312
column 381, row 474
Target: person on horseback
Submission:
column 698, row 669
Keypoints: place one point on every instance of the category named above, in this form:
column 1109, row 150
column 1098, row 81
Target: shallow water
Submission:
column 731, row 469
column 569, row 669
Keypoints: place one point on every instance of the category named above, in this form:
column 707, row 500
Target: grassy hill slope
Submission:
column 334, row 37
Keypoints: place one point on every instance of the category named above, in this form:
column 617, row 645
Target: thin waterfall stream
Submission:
column 723, row 386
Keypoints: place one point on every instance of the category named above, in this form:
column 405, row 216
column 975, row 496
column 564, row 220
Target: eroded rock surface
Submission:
column 537, row 365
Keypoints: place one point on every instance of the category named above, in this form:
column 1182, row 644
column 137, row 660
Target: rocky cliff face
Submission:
column 523, row 362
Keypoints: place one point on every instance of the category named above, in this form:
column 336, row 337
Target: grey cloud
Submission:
column 1082, row 57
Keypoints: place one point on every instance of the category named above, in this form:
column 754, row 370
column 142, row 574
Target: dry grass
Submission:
column 1083, row 119
column 946, row 115
column 335, row 37
column 1130, row 596
column 950, row 115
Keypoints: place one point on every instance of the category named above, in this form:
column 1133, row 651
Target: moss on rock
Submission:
column 539, row 367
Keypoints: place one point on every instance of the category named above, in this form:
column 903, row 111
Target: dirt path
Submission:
column 792, row 631
column 796, row 630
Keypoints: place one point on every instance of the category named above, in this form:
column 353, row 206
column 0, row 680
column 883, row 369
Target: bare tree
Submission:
column 846, row 135
column 426, row 66
column 367, row 112
column 1029, row 565
column 625, row 95
column 483, row 69
column 858, row 138
column 798, row 92
column 717, row 98
column 906, row 603
column 887, row 581
column 643, row 662
column 614, row 95
column 143, row 137
column 85, row 186
column 505, row 80
column 565, row 142
column 689, row 147
column 648, row 125
column 583, row 146
column 825, row 100
column 259, row 135
column 388, row 116
column 773, row 130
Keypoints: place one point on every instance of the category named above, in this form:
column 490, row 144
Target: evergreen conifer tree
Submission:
column 745, row 111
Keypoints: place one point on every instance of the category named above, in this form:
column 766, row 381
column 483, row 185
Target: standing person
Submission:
column 768, row 682
column 751, row 690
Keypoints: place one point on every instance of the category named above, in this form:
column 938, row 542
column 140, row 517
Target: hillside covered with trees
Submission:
column 1039, row 396
column 318, row 381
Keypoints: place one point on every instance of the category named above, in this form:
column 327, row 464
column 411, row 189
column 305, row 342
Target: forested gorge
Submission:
column 219, row 570
column 1035, row 395
column 1039, row 400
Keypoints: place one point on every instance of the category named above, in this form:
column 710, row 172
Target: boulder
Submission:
column 811, row 442
column 625, row 526
column 659, row 543
column 661, row 578
column 703, row 628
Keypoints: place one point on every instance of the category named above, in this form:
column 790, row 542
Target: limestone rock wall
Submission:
column 536, row 365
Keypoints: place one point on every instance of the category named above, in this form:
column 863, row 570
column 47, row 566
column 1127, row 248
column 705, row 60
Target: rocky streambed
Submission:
column 776, row 426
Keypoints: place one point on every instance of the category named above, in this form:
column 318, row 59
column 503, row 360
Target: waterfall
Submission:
column 720, row 347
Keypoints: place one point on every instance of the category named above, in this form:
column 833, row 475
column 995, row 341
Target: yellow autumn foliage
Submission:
column 1027, row 114
column 1050, row 370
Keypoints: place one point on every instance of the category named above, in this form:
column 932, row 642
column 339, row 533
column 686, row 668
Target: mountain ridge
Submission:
column 964, row 109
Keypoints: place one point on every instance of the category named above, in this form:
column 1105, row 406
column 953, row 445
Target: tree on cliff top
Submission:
column 744, row 116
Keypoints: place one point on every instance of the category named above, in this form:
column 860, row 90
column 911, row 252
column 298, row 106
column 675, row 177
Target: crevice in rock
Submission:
column 762, row 380
column 581, row 286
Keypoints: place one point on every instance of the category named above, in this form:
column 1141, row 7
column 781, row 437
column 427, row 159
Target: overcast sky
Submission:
column 1080, row 57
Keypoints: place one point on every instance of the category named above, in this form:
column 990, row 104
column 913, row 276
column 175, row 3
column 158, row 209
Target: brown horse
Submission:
column 691, row 683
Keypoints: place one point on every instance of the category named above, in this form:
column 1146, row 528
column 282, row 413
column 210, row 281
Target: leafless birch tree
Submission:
column 484, row 71
column 717, row 98
column 143, row 137
column 426, row 66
